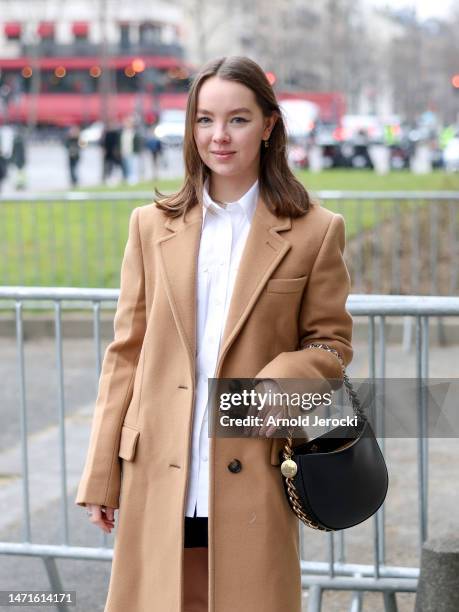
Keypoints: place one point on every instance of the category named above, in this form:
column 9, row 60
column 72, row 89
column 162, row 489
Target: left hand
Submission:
column 272, row 409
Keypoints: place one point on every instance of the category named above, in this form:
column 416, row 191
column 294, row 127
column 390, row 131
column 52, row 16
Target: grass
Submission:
column 331, row 180
column 76, row 244
column 80, row 244
column 365, row 180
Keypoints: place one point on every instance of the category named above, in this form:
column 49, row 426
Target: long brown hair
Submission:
column 280, row 189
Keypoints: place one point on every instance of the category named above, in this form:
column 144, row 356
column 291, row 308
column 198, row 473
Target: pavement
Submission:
column 90, row 578
column 47, row 168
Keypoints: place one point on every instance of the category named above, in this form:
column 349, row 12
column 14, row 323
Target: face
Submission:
column 229, row 128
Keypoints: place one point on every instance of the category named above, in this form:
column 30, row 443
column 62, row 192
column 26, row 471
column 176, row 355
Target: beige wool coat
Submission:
column 291, row 290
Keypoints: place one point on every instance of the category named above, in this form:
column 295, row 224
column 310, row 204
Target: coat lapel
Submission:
column 264, row 250
column 178, row 262
column 179, row 250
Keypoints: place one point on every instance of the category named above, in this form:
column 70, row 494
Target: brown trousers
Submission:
column 195, row 582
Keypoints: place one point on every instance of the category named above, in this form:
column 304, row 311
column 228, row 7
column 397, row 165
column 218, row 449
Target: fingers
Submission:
column 256, row 414
column 265, row 408
column 110, row 513
column 265, row 428
column 102, row 516
column 268, row 430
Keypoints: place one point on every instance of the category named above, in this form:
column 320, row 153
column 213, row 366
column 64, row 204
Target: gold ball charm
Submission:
column 289, row 468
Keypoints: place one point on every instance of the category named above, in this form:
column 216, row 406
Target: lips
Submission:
column 223, row 154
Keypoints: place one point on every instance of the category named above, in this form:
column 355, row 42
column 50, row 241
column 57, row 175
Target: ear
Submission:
column 269, row 125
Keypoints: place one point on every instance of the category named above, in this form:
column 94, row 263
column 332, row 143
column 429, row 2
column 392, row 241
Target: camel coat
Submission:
column 291, row 290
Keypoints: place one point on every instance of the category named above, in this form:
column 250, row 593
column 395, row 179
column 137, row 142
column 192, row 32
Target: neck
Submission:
column 228, row 188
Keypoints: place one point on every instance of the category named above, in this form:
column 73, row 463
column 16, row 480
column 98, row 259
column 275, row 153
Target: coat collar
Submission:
column 247, row 202
column 178, row 253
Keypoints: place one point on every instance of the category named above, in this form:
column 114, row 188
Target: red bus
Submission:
column 62, row 91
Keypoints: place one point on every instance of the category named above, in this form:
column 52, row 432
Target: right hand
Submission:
column 102, row 516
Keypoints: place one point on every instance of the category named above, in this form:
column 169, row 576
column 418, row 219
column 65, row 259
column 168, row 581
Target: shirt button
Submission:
column 235, row 466
column 205, row 458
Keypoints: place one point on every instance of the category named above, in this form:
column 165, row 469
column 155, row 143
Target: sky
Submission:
column 425, row 8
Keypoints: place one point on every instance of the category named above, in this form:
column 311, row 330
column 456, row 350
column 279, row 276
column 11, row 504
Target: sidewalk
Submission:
column 90, row 579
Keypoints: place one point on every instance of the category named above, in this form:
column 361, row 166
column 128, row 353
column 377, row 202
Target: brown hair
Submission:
column 280, row 189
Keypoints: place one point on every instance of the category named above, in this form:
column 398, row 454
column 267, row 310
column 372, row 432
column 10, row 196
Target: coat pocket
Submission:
column 128, row 442
column 286, row 285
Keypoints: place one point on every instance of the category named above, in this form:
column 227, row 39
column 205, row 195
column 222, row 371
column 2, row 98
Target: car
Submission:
column 372, row 125
column 327, row 136
column 171, row 127
column 327, row 133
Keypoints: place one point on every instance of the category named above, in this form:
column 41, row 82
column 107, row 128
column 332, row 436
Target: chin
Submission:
column 226, row 171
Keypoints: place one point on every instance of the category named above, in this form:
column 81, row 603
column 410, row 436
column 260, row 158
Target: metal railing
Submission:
column 397, row 242
column 317, row 576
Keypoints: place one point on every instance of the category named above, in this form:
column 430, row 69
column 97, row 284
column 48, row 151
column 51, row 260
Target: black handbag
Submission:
column 339, row 479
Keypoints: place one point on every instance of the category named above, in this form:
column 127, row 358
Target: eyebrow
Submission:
column 243, row 109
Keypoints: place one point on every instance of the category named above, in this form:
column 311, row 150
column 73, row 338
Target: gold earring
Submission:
column 266, row 143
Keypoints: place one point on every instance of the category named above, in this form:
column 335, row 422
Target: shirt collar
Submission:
column 248, row 201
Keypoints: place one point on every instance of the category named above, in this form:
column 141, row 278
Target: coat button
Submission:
column 235, row 466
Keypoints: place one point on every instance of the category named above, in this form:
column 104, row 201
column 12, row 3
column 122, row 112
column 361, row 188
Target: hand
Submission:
column 269, row 409
column 102, row 516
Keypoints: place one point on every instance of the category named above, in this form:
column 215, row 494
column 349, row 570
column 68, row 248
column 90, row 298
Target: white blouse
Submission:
column 223, row 237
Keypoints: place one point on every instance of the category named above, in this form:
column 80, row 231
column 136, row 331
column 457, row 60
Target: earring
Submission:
column 266, row 143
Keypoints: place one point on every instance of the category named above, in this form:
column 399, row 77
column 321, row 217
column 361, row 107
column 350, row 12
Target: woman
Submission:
column 233, row 276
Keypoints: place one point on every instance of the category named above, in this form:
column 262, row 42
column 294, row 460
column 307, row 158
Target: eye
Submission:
column 235, row 119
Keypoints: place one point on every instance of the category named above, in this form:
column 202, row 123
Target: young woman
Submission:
column 233, row 276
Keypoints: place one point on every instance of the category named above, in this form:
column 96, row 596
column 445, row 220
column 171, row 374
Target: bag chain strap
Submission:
column 292, row 493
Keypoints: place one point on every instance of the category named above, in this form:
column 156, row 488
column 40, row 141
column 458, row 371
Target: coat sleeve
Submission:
column 323, row 317
column 100, row 481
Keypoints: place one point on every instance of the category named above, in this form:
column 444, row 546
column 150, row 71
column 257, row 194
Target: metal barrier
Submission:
column 397, row 242
column 317, row 576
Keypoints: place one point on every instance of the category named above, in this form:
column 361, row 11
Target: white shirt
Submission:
column 223, row 237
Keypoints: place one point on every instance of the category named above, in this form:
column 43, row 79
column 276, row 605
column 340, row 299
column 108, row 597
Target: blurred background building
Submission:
column 86, row 60
column 380, row 60
column 347, row 73
column 383, row 60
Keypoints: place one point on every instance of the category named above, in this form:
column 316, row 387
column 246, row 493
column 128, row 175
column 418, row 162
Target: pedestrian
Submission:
column 362, row 157
column 6, row 148
column 111, row 146
column 18, row 157
column 232, row 276
column 154, row 145
column 72, row 144
column 130, row 144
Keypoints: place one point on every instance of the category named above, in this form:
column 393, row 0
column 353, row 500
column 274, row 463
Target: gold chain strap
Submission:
column 289, row 467
column 295, row 502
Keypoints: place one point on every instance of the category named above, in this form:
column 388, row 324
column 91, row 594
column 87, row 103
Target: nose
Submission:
column 220, row 134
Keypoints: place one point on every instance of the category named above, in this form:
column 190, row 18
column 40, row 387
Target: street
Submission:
column 47, row 168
